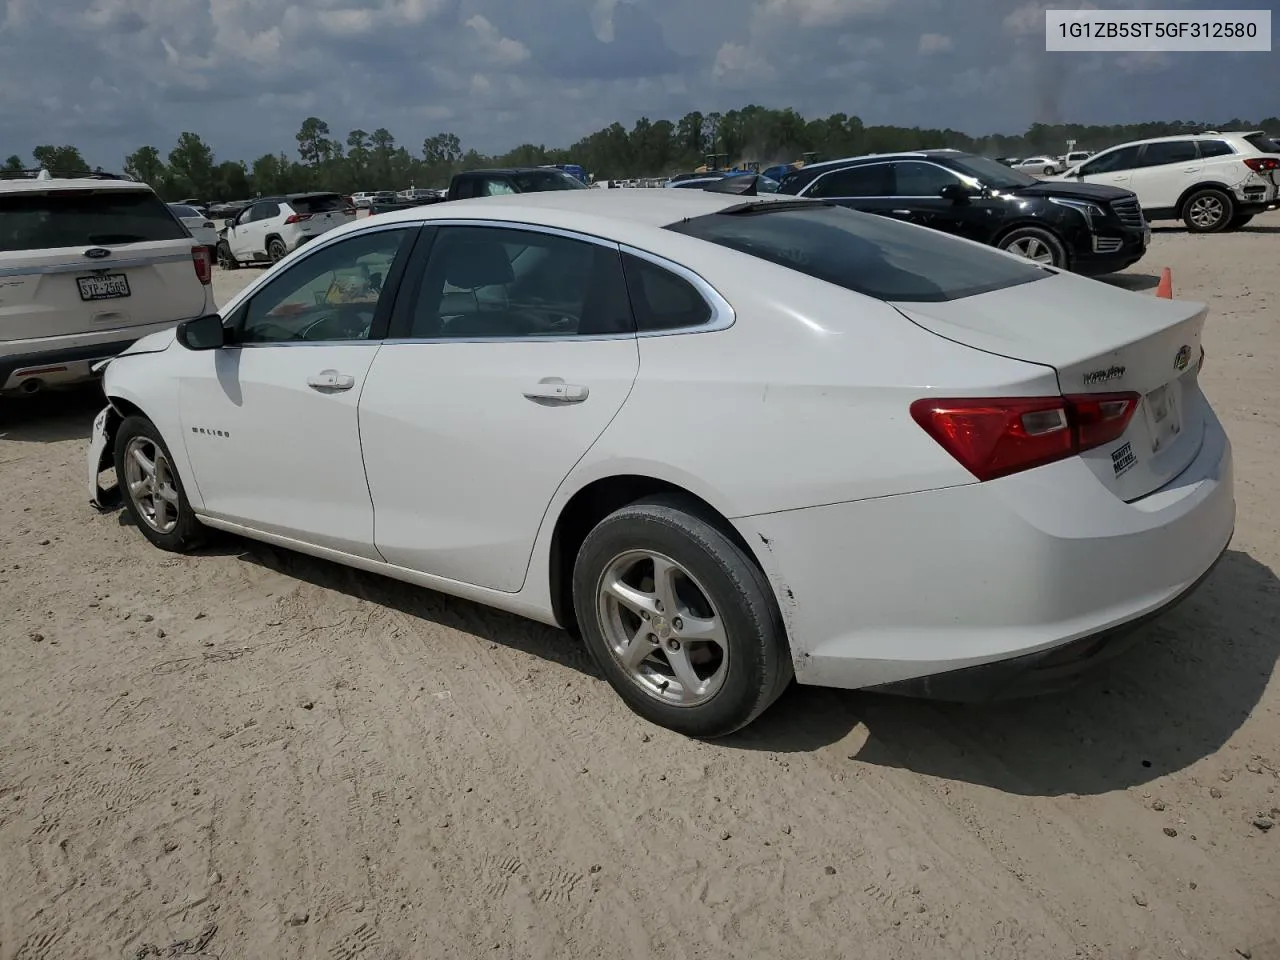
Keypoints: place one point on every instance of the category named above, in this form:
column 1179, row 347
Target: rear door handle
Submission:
column 327, row 380
column 555, row 390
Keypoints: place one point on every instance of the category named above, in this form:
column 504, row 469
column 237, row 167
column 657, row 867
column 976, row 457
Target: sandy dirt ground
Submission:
column 252, row 754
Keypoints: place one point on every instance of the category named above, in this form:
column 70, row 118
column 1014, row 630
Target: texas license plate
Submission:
column 109, row 287
column 1164, row 417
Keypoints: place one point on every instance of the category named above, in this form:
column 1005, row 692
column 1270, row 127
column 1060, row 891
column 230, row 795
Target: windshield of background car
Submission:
column 868, row 254
column 320, row 203
column 180, row 211
column 992, row 173
column 81, row 218
column 546, row 180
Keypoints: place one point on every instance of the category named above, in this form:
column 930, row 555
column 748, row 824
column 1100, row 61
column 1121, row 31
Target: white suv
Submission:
column 1210, row 181
column 271, row 228
column 86, row 268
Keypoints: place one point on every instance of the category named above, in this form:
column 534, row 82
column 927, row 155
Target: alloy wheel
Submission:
column 1033, row 248
column 662, row 628
column 1206, row 211
column 149, row 478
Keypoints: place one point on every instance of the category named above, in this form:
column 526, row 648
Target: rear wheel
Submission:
column 276, row 250
column 1050, row 171
column 681, row 621
column 1036, row 244
column 225, row 258
column 1239, row 221
column 1208, row 211
column 153, row 494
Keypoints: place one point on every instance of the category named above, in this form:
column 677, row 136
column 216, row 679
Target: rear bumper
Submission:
column 63, row 366
column 1037, row 567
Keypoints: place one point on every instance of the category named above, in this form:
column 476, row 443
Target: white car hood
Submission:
column 156, row 342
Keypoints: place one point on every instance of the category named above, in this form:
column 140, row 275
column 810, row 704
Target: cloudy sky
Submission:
column 110, row 75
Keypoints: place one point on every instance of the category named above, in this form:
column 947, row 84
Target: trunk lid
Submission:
column 89, row 260
column 1099, row 339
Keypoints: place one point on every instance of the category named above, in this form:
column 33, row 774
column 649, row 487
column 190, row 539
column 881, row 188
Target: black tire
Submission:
column 1029, row 237
column 1208, row 211
column 759, row 660
column 224, row 258
column 276, row 250
column 1050, row 171
column 187, row 533
column 1239, row 221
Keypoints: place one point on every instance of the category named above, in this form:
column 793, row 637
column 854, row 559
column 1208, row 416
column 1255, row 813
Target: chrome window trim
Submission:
column 722, row 314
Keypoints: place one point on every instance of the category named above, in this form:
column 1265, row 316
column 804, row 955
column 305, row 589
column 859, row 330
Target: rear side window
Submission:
column 862, row 252
column 82, row 218
column 321, row 203
column 660, row 300
column 1168, row 151
column 871, row 180
column 1215, row 148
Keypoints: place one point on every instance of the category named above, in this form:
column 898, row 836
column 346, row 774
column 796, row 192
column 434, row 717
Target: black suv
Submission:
column 1086, row 228
column 490, row 183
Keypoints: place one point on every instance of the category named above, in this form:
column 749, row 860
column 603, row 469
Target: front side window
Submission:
column 1113, row 161
column 498, row 282
column 264, row 211
column 917, row 179
column 866, row 253
column 537, row 181
column 333, row 294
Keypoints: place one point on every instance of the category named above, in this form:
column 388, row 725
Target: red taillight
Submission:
column 297, row 217
column 1262, row 164
column 996, row 437
column 203, row 264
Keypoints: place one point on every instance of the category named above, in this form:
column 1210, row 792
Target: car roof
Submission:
column 77, row 183
column 609, row 213
column 1238, row 134
column 506, row 170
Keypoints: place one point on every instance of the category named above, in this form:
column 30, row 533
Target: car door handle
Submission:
column 331, row 380
column 555, row 390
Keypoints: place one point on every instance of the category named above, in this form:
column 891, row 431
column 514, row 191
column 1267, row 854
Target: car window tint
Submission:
column 543, row 180
column 495, row 282
column 1261, row 142
column 77, row 218
column 661, row 300
column 870, row 180
column 181, row 211
column 1113, row 161
column 1214, row 148
column 321, row 203
column 916, row 179
column 332, row 294
column 869, row 254
column 264, row 211
column 497, row 188
column 1168, row 151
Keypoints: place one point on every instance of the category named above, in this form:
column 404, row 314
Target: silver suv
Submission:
column 88, row 266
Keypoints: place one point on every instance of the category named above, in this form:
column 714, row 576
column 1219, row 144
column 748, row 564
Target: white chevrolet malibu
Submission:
column 727, row 440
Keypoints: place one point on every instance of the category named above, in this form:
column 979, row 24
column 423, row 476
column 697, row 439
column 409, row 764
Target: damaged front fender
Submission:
column 101, row 458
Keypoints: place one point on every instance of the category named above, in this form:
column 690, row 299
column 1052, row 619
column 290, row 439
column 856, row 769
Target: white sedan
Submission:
column 1046, row 166
column 726, row 440
column 203, row 230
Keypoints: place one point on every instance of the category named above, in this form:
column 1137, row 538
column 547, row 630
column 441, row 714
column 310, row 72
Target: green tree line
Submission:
column 376, row 160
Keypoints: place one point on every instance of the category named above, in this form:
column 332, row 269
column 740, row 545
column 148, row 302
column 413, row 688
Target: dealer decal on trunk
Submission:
column 1123, row 459
column 1103, row 376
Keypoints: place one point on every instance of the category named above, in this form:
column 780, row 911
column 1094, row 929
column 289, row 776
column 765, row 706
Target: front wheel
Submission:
column 1050, row 171
column 680, row 619
column 1037, row 245
column 153, row 494
column 227, row 260
column 1208, row 211
column 276, row 250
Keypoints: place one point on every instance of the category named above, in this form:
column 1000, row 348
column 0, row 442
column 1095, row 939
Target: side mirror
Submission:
column 202, row 333
column 956, row 192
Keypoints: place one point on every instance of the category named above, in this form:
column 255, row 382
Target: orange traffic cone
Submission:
column 1165, row 287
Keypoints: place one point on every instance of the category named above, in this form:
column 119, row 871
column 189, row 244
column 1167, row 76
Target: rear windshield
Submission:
column 1262, row 143
column 863, row 252
column 320, row 203
column 546, row 180
column 78, row 218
